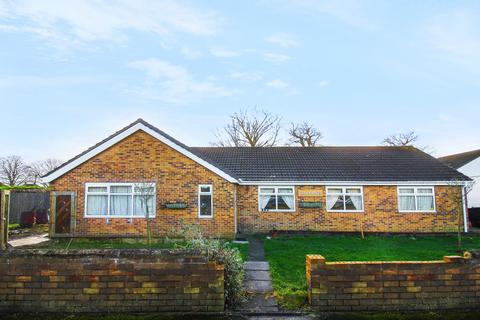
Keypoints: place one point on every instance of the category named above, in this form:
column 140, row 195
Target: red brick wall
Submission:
column 141, row 157
column 452, row 283
column 109, row 281
column 380, row 213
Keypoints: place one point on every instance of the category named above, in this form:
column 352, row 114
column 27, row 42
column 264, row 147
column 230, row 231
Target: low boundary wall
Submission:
column 109, row 281
column 451, row 283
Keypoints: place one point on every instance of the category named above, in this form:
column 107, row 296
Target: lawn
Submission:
column 122, row 243
column 286, row 255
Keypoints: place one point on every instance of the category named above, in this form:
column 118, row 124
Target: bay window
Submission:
column 416, row 199
column 120, row 200
column 276, row 199
column 346, row 199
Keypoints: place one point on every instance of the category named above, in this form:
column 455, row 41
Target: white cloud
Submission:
column 456, row 34
column 277, row 84
column 172, row 83
column 43, row 81
column 190, row 53
column 283, row 39
column 246, row 76
column 323, row 83
column 223, row 53
column 352, row 12
column 276, row 57
column 73, row 22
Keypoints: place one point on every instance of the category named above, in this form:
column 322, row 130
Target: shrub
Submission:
column 219, row 251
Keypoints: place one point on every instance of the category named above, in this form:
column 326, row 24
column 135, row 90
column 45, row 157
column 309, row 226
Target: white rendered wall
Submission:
column 472, row 170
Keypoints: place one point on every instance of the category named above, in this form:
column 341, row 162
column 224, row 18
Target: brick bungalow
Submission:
column 247, row 190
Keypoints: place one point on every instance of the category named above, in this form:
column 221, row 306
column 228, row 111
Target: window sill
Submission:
column 276, row 211
column 205, row 217
column 346, row 211
column 118, row 217
column 417, row 211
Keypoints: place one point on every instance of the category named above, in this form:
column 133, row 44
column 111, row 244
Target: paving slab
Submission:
column 259, row 286
column 258, row 282
column 256, row 252
column 259, row 275
column 257, row 265
column 28, row 241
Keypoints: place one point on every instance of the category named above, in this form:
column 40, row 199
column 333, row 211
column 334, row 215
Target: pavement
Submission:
column 258, row 283
column 29, row 240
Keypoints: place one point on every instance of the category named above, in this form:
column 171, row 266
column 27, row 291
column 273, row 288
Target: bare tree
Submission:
column 13, row 171
column 40, row 168
column 407, row 139
column 304, row 134
column 145, row 193
column 259, row 129
column 401, row 139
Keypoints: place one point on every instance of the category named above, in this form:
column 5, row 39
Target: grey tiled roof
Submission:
column 313, row 163
column 329, row 164
column 460, row 159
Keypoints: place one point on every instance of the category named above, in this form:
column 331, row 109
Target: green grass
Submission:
column 21, row 187
column 83, row 243
column 243, row 248
column 13, row 226
column 286, row 256
column 123, row 243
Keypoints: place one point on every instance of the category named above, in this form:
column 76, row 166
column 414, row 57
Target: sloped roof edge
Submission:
column 135, row 126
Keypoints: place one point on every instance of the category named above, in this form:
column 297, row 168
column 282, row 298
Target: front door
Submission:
column 63, row 213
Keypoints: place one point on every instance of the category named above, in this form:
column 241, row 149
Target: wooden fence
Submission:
column 27, row 200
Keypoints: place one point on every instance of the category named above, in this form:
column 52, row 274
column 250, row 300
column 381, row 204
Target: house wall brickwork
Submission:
column 453, row 283
column 380, row 213
column 109, row 281
column 141, row 157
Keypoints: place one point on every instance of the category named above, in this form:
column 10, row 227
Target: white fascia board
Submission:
column 58, row 173
column 353, row 183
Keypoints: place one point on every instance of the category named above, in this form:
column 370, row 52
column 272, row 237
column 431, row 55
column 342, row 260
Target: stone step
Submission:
column 256, row 265
column 256, row 286
column 259, row 303
column 257, row 275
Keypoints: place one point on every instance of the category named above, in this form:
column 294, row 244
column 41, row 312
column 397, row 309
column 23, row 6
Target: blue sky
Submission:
column 73, row 72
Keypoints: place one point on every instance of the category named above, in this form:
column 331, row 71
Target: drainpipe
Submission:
column 235, row 207
column 464, row 202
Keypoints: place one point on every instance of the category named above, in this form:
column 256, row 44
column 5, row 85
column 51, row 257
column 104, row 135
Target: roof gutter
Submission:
column 352, row 183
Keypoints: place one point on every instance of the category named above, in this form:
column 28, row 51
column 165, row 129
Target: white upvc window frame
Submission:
column 416, row 194
column 344, row 194
column 108, row 185
column 200, row 193
column 276, row 194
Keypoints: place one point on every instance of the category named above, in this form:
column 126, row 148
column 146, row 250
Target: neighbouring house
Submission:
column 229, row 190
column 467, row 163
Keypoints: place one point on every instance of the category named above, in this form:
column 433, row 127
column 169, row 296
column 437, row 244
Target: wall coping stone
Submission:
column 107, row 253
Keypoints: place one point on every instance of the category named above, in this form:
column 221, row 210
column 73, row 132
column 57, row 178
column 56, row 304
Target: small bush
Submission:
column 221, row 252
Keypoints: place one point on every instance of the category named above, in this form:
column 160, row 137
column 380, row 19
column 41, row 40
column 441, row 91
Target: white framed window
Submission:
column 205, row 201
column 120, row 200
column 416, row 199
column 345, row 199
column 280, row 199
